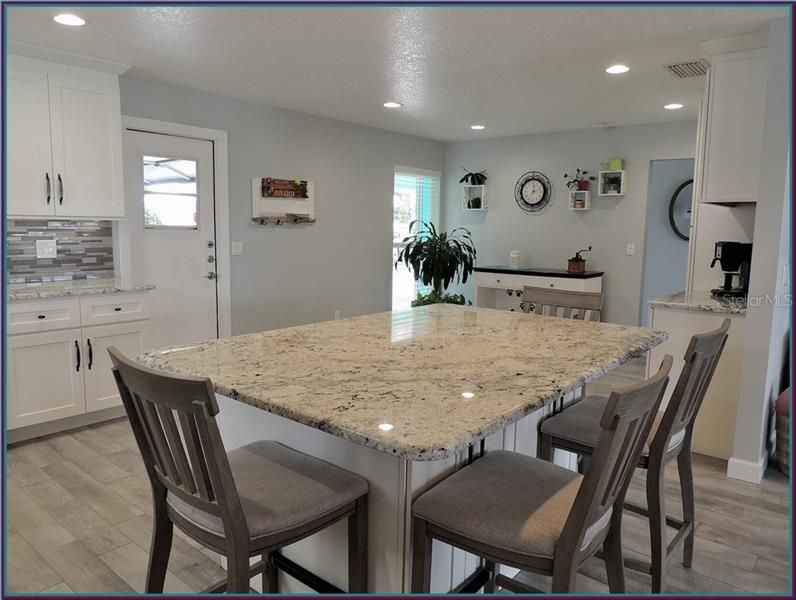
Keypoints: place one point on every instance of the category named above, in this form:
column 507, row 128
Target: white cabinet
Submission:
column 64, row 142
column 45, row 377
column 101, row 390
column 501, row 288
column 734, row 135
column 29, row 163
column 58, row 364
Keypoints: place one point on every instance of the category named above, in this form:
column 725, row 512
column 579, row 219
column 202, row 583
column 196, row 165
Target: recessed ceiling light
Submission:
column 478, row 127
column 673, row 106
column 617, row 69
column 392, row 105
column 386, row 426
column 71, row 20
column 468, row 395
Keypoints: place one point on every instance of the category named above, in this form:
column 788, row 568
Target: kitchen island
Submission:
column 401, row 398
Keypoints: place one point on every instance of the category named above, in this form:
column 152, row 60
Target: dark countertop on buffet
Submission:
column 539, row 272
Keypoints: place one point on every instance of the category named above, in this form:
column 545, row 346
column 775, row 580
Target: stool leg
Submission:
column 160, row 548
column 270, row 576
column 545, row 447
column 563, row 577
column 657, row 517
column 686, row 474
column 489, row 588
column 421, row 557
column 614, row 563
column 358, row 548
column 238, row 579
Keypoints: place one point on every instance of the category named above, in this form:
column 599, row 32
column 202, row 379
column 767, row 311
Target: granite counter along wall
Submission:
column 84, row 250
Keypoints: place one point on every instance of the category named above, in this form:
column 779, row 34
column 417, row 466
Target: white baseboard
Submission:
column 746, row 470
column 30, row 432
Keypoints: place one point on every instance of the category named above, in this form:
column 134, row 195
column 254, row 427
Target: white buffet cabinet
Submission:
column 59, row 371
column 501, row 287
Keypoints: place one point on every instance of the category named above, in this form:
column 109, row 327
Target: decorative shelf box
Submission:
column 611, row 183
column 282, row 201
column 474, row 197
column 579, row 200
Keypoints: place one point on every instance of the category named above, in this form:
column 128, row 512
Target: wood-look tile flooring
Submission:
column 79, row 519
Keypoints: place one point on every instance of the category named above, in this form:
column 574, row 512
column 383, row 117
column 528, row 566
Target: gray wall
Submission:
column 548, row 240
column 299, row 274
column 665, row 254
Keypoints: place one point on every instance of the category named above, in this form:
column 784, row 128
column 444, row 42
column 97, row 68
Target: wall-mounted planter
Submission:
column 474, row 197
column 611, row 183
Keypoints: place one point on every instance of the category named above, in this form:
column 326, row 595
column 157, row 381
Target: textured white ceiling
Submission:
column 516, row 70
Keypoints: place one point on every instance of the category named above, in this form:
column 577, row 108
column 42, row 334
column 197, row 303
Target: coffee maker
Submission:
column 734, row 258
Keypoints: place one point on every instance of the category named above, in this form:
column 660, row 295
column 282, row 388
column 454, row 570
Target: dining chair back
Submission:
column 583, row 306
column 174, row 423
column 625, row 425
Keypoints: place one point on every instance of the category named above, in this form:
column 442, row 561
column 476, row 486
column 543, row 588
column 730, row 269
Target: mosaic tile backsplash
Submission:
column 85, row 250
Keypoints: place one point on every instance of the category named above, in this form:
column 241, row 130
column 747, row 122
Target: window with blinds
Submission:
column 415, row 198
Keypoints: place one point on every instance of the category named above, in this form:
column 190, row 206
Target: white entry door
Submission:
column 170, row 204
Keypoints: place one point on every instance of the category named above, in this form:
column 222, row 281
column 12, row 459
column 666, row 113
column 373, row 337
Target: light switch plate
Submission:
column 237, row 248
column 46, row 249
column 631, row 249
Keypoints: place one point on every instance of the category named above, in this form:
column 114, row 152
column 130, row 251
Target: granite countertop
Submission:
column 421, row 383
column 539, row 272
column 68, row 289
column 701, row 300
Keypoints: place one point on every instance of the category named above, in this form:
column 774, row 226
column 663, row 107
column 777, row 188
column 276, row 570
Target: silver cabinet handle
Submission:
column 49, row 189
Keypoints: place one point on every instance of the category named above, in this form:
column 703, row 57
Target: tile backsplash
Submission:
column 84, row 250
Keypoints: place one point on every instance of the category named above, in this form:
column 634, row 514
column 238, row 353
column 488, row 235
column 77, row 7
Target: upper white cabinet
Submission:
column 64, row 141
column 734, row 135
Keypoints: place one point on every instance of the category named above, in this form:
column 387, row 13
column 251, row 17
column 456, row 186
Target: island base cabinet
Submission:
column 45, row 377
column 129, row 338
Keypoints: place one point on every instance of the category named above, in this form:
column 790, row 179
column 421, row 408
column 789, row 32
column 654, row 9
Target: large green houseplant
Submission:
column 437, row 259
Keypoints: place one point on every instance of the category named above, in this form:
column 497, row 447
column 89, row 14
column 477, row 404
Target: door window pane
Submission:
column 170, row 193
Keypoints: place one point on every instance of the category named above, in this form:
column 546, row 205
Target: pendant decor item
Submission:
column 533, row 192
column 577, row 264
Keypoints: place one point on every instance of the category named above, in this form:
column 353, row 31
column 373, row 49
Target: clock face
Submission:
column 533, row 192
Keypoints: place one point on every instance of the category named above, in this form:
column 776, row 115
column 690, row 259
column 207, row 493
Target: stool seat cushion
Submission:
column 580, row 423
column 279, row 489
column 505, row 500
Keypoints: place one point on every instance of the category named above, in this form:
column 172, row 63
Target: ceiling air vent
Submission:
column 688, row 68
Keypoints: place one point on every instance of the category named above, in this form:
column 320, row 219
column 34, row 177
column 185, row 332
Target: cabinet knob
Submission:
column 117, row 309
column 41, row 317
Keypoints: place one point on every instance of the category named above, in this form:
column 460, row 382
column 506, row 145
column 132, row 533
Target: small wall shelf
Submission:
column 611, row 183
column 474, row 197
column 295, row 204
column 579, row 200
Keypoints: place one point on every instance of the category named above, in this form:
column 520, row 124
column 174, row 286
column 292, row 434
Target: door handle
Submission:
column 211, row 275
column 90, row 354
column 49, row 189
column 77, row 352
column 60, row 189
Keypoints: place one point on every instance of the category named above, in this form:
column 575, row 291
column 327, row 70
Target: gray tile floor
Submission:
column 80, row 520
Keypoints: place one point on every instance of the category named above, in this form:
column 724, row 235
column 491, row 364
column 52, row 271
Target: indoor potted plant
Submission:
column 437, row 259
column 580, row 181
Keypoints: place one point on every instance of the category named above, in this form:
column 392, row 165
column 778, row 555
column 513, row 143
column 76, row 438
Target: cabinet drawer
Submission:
column 516, row 282
column 49, row 315
column 114, row 308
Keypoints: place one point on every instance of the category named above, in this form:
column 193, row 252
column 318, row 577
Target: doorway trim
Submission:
column 221, row 183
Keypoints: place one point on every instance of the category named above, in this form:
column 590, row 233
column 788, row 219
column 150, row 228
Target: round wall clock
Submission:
column 533, row 192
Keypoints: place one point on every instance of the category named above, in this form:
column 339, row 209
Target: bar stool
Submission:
column 513, row 509
column 252, row 501
column 576, row 430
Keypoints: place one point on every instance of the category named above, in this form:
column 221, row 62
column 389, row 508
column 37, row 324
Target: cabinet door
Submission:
column 45, row 377
column 28, row 144
column 129, row 338
column 736, row 110
column 86, row 141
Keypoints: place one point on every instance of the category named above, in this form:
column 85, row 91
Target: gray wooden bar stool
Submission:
column 576, row 430
column 252, row 501
column 513, row 509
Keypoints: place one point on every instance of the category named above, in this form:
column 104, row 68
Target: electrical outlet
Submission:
column 337, row 315
column 46, row 249
column 631, row 249
column 237, row 248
